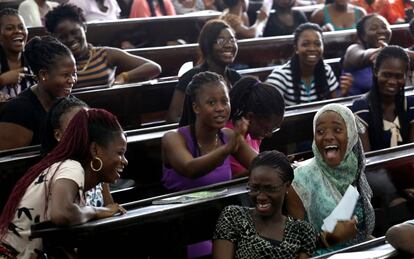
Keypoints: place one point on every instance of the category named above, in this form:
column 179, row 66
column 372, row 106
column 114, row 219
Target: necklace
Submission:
column 215, row 143
column 91, row 54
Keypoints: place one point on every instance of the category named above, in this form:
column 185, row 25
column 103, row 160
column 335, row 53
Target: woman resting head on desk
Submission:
column 22, row 118
column 321, row 182
column 263, row 231
column 96, row 65
column 91, row 151
column 218, row 49
column 262, row 106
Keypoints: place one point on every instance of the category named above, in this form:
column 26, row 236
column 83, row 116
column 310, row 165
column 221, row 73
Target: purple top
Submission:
column 177, row 182
column 362, row 82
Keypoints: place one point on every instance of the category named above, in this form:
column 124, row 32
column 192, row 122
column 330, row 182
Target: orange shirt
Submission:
column 382, row 7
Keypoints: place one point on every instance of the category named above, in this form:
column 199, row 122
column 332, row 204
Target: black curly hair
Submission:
column 64, row 12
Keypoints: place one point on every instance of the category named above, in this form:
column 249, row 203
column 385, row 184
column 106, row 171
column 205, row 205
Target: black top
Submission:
column 27, row 111
column 232, row 75
column 275, row 27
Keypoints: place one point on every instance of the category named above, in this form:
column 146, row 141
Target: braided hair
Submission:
column 93, row 125
column 45, row 53
column 374, row 100
column 276, row 160
column 59, row 108
column 321, row 82
column 251, row 95
column 199, row 81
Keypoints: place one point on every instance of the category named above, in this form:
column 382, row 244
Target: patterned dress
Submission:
column 236, row 225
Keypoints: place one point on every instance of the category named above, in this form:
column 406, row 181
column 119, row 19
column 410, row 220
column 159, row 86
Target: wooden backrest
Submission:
column 262, row 52
column 152, row 31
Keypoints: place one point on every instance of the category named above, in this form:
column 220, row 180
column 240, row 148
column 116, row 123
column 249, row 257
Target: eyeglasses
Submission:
column 267, row 189
column 224, row 41
column 266, row 130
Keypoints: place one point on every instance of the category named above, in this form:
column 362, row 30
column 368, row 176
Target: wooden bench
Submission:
column 178, row 224
column 10, row 4
column 262, row 52
column 153, row 31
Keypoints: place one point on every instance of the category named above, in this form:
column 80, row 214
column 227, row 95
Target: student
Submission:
column 91, row 151
column 374, row 33
column 151, row 8
column 198, row 153
column 58, row 119
column 385, row 112
column 236, row 16
column 261, row 106
column 320, row 182
column 98, row 10
column 263, row 231
column 34, row 11
column 22, row 118
column 96, row 65
column 218, row 49
column 338, row 15
column 284, row 20
column 13, row 68
column 306, row 77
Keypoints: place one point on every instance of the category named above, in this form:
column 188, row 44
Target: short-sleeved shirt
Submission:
column 274, row 27
column 93, row 13
column 361, row 109
column 27, row 111
column 232, row 75
column 236, row 225
column 34, row 208
column 281, row 77
column 140, row 8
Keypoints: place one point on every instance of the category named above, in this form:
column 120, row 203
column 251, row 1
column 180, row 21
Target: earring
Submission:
column 100, row 164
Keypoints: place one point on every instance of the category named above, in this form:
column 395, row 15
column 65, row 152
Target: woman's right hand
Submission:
column 344, row 231
column 109, row 210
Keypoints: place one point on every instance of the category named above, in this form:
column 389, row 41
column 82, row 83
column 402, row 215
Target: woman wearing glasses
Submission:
column 306, row 77
column 263, row 231
column 218, row 49
column 261, row 106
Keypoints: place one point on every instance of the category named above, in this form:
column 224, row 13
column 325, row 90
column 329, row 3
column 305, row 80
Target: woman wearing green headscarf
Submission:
column 321, row 182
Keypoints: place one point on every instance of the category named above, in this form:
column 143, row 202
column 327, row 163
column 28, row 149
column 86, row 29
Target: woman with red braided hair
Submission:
column 91, row 151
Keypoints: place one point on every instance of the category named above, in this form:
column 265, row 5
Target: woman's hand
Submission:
column 346, row 82
column 4, row 97
column 344, row 231
column 109, row 211
column 13, row 77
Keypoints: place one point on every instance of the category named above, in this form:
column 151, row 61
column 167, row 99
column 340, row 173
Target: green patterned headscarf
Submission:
column 320, row 187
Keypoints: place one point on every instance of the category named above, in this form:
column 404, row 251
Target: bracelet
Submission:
column 125, row 76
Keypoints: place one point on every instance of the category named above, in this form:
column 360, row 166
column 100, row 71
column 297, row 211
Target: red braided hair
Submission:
column 87, row 126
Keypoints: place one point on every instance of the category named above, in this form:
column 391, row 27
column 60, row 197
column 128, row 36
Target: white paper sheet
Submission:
column 342, row 211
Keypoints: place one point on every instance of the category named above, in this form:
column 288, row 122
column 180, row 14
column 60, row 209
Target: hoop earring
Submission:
column 100, row 166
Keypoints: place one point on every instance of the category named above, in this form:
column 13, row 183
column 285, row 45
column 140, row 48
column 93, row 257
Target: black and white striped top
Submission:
column 281, row 77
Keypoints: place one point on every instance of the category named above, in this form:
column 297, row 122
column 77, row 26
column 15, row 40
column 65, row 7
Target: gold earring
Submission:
column 100, row 164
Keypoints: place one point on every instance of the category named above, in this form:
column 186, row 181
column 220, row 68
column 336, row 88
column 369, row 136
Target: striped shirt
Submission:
column 281, row 77
column 94, row 69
